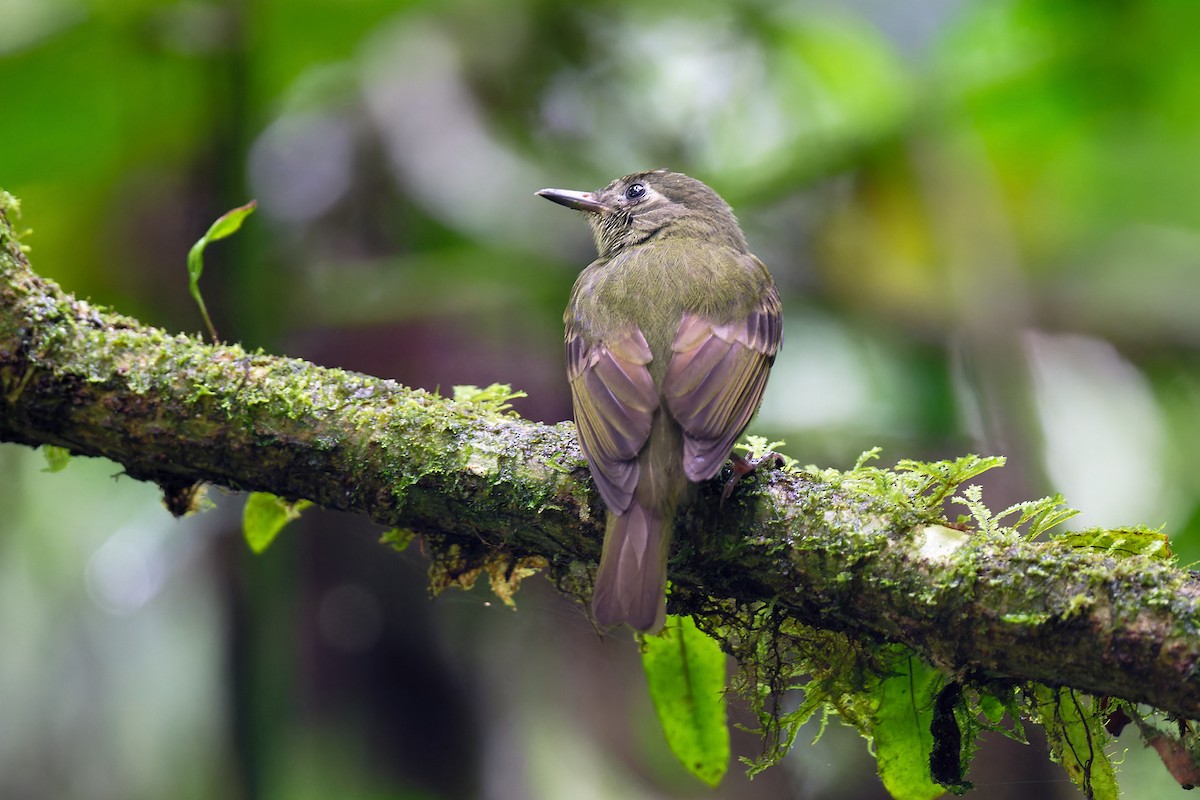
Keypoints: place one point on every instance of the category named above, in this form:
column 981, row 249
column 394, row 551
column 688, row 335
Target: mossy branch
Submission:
column 488, row 489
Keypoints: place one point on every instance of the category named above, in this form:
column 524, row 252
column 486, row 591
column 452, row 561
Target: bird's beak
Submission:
column 580, row 201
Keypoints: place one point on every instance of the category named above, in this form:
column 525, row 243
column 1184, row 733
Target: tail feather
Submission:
column 632, row 578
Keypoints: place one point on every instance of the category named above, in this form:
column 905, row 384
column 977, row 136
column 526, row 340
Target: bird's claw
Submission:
column 744, row 466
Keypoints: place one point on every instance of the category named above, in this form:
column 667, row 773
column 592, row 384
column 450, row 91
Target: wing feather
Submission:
column 614, row 399
column 716, row 378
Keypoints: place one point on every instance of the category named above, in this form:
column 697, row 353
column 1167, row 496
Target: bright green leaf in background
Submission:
column 901, row 727
column 226, row 225
column 264, row 517
column 686, row 672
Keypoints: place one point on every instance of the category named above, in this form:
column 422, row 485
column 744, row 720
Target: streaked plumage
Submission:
column 670, row 336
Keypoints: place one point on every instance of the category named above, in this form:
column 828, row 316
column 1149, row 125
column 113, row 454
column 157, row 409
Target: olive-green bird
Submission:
column 670, row 335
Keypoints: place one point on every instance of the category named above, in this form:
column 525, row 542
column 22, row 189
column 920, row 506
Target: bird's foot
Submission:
column 743, row 466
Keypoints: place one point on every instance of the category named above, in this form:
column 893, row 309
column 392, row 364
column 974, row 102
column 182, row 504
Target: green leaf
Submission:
column 226, row 225
column 686, row 672
column 901, row 727
column 1075, row 732
column 264, row 517
column 57, row 458
column 999, row 705
column 993, row 707
column 1120, row 542
column 230, row 222
column 398, row 538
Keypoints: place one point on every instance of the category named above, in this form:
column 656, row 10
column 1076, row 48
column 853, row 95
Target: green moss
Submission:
column 869, row 510
column 1026, row 618
column 9, row 205
column 492, row 400
column 10, row 212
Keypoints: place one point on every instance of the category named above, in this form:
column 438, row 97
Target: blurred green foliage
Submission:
column 982, row 216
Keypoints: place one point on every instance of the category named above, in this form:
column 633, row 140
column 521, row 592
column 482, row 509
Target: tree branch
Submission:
column 489, row 488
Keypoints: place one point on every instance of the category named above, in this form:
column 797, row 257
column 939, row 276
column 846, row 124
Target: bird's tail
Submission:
column 632, row 579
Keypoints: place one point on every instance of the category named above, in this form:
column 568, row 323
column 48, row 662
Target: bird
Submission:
column 670, row 335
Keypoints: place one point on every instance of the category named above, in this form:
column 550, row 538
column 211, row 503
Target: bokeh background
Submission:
column 983, row 217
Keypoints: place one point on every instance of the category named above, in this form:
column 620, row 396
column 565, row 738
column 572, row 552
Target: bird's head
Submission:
column 644, row 205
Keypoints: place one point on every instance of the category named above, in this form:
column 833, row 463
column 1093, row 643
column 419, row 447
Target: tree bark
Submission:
column 490, row 489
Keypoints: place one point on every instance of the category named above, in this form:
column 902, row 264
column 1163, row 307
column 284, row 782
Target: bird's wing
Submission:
column 615, row 399
column 715, row 380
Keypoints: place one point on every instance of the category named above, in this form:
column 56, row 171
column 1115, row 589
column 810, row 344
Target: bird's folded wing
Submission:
column 715, row 381
column 615, row 399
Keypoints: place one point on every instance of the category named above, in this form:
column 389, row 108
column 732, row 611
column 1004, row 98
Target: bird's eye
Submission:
column 635, row 191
